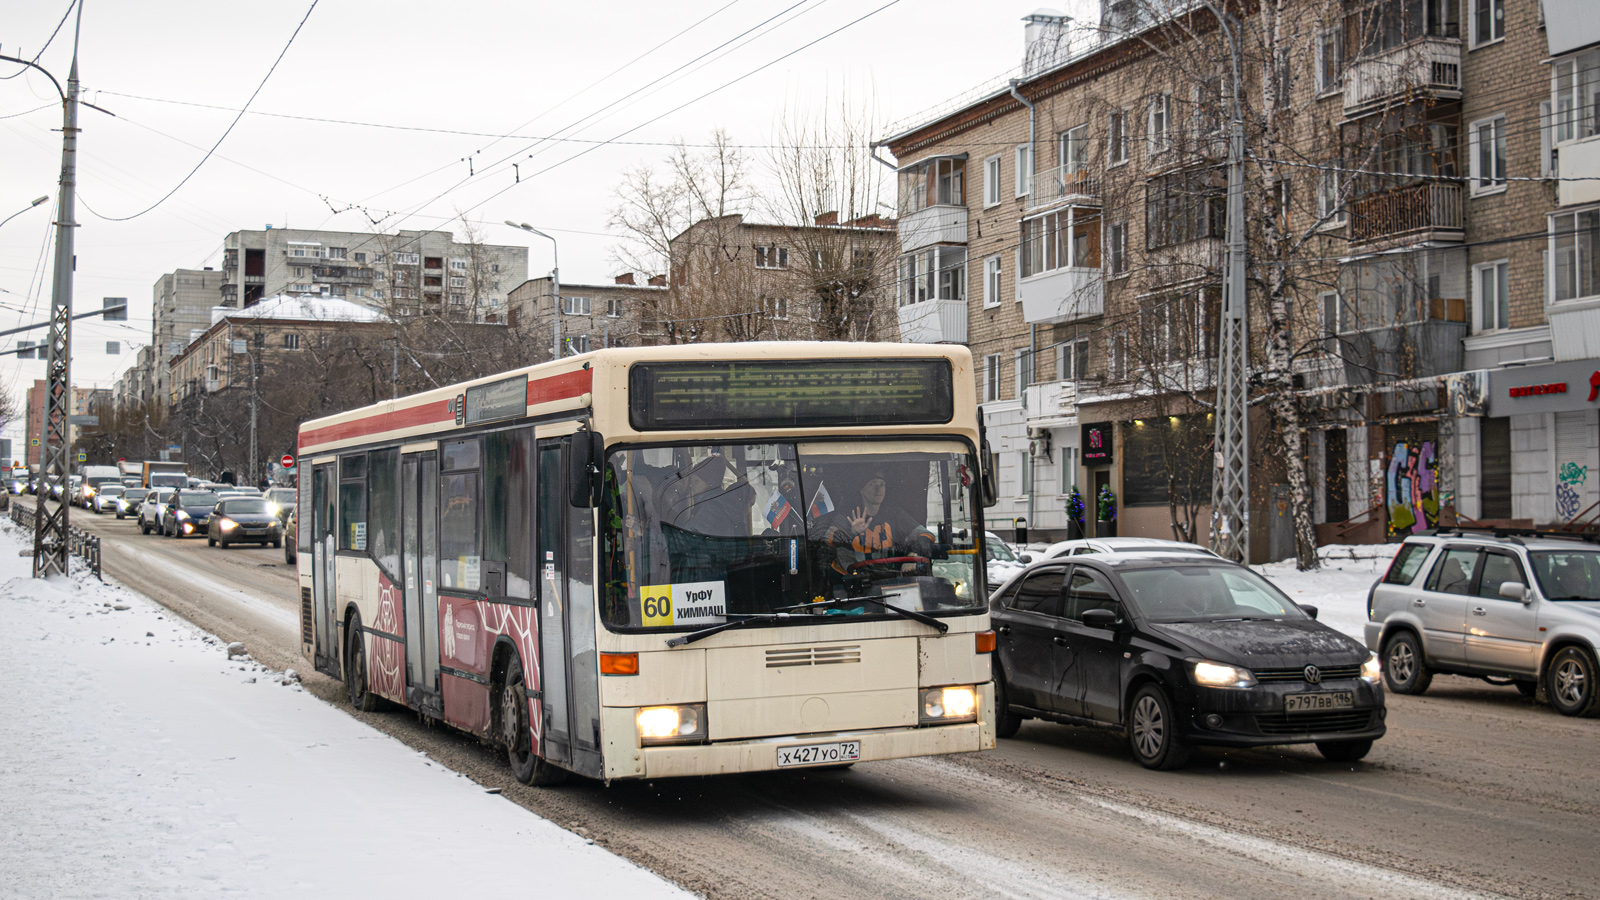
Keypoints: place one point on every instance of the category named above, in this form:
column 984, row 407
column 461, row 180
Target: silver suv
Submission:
column 1508, row 606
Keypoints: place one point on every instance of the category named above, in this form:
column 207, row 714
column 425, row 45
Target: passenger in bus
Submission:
column 701, row 501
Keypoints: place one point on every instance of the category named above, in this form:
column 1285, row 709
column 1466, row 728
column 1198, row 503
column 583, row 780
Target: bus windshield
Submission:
column 704, row 532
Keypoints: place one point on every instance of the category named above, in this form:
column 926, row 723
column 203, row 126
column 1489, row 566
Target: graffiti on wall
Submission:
column 1570, row 479
column 1412, row 482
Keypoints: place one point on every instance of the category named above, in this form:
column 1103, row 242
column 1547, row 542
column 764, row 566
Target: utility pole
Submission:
column 1230, row 484
column 555, row 281
column 50, row 547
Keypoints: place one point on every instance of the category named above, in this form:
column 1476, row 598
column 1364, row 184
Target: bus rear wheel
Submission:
column 526, row 764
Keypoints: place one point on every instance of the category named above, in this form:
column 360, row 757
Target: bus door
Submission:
column 327, row 654
column 419, row 498
column 569, row 670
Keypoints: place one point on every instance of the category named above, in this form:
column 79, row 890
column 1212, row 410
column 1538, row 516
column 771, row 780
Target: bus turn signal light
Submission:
column 984, row 641
column 619, row 663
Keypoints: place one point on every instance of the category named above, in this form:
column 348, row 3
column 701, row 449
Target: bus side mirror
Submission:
column 583, row 469
column 988, row 480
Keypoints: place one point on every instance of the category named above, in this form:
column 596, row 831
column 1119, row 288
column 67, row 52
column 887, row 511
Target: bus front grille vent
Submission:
column 813, row 656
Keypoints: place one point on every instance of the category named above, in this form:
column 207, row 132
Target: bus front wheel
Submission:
column 526, row 764
column 355, row 670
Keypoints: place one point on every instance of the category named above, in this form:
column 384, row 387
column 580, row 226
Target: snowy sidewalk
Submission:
column 136, row 760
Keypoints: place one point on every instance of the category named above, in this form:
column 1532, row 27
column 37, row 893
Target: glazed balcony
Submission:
column 1428, row 67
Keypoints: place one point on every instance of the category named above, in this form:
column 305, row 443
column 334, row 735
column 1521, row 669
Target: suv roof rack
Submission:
column 1512, row 534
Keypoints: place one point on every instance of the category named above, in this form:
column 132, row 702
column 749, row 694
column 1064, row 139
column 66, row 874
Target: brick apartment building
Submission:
column 592, row 316
column 1412, row 260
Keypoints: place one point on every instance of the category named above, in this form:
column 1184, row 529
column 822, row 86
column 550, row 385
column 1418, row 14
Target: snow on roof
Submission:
column 285, row 306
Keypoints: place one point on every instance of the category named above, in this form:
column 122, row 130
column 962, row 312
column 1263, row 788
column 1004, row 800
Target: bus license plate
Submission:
column 1319, row 702
column 819, row 754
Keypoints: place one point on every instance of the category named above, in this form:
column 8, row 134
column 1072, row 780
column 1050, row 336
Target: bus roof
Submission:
column 570, row 384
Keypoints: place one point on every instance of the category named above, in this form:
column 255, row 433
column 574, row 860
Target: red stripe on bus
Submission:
column 560, row 387
column 544, row 390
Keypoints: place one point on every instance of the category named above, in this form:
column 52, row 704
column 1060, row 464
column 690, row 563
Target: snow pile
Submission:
column 1339, row 589
column 138, row 757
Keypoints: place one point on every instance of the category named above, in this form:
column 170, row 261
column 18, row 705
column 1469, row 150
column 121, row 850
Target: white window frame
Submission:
column 991, row 378
column 1330, row 315
column 1024, row 180
column 1330, row 39
column 1328, row 187
column 1067, row 354
column 992, row 189
column 1567, row 109
column 291, row 341
column 1493, row 182
column 777, row 307
column 991, row 282
column 1498, row 23
column 1580, row 257
column 1021, row 370
column 1486, row 309
column 575, row 306
column 1072, row 147
column 1158, row 140
column 1117, row 138
column 613, row 307
column 1114, row 255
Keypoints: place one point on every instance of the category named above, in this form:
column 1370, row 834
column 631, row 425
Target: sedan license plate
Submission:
column 1319, row 702
column 819, row 754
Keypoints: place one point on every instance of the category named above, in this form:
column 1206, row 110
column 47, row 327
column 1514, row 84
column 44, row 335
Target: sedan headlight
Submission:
column 672, row 724
column 275, row 509
column 181, row 515
column 1372, row 669
column 226, row 524
column 945, row 705
column 1221, row 675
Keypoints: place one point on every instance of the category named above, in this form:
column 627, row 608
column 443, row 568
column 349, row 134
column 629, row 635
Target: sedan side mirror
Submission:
column 1515, row 590
column 1308, row 609
column 1026, row 558
column 1100, row 618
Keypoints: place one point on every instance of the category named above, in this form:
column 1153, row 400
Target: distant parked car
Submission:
column 244, row 519
column 187, row 513
column 1178, row 650
column 150, row 510
column 1517, row 609
column 1082, row 546
column 131, row 502
column 106, row 498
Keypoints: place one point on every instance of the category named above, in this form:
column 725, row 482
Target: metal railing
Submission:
column 1419, row 207
column 80, row 543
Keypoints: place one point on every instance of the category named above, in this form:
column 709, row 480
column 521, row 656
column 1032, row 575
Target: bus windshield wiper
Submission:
column 740, row 622
column 877, row 600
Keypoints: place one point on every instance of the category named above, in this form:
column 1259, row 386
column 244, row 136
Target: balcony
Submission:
column 938, row 224
column 1428, row 67
column 1051, row 404
column 1062, row 295
column 1582, row 157
column 1065, row 184
column 1408, row 215
column 1199, row 259
column 1408, row 350
column 934, row 322
column 342, row 274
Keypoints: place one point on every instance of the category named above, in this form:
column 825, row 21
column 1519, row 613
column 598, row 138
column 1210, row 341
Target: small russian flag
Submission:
column 778, row 509
column 821, row 503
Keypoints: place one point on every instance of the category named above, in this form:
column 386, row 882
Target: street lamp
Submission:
column 555, row 281
column 19, row 212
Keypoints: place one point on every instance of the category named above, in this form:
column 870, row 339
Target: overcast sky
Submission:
column 487, row 68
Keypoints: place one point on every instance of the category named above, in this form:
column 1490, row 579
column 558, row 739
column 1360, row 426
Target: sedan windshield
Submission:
column 996, row 549
column 135, row 493
column 244, row 507
column 702, row 533
column 1206, row 593
column 1567, row 574
column 191, row 499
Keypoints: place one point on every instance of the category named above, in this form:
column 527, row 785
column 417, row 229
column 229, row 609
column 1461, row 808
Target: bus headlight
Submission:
column 944, row 705
column 672, row 724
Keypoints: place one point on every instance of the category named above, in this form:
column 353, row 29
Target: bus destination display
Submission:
column 500, row 400
column 790, row 393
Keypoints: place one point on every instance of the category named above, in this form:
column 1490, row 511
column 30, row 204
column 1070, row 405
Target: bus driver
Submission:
column 874, row 529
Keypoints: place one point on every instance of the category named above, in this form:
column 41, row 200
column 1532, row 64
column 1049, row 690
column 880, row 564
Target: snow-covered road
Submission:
column 137, row 760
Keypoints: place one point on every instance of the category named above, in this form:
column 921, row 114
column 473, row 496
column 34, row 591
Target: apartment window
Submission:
column 459, row 265
column 575, row 306
column 1181, row 207
column 434, row 262
column 1488, row 155
column 335, row 253
column 1022, row 368
column 776, row 307
column 1158, row 123
column 938, row 272
column 1072, row 360
column 1074, row 152
column 1027, row 472
column 772, row 257
column 291, row 341
column 1024, row 170
column 991, row 181
column 1575, row 97
column 991, row 378
column 1069, row 238
column 1488, row 21
column 1330, row 60
column 360, row 257
column 458, row 281
column 1117, row 248
column 1208, row 107
column 940, row 180
column 1117, row 138
column 406, row 259
column 950, row 181
column 991, row 282
column 1329, row 208
column 1328, row 307
column 613, row 307
column 1491, row 285
column 1575, row 254
column 578, row 343
column 299, row 271
column 1116, row 361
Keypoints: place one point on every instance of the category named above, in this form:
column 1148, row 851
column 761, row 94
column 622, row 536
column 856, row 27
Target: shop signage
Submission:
column 1098, row 444
column 1553, row 387
column 1534, row 390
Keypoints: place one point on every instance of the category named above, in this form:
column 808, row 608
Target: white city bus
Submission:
column 663, row 561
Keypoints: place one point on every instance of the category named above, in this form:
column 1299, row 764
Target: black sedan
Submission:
column 187, row 513
column 244, row 519
column 1178, row 651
